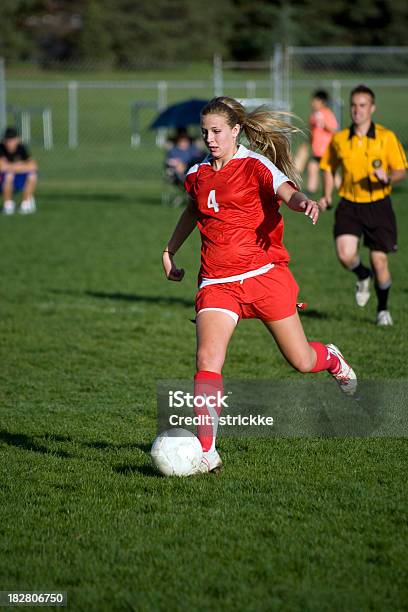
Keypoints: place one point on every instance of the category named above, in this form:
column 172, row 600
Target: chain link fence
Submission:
column 339, row 69
column 83, row 127
column 85, row 124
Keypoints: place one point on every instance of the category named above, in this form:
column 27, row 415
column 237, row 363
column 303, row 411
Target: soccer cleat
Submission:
column 346, row 376
column 9, row 207
column 384, row 318
column 210, row 462
column 363, row 291
column 27, row 206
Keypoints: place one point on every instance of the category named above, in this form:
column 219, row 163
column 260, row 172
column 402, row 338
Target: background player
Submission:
column 371, row 159
column 18, row 171
column 235, row 196
column 323, row 124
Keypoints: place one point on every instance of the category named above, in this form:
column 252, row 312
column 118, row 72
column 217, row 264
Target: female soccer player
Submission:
column 235, row 194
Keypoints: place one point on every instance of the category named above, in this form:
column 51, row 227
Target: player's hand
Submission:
column 172, row 272
column 324, row 203
column 311, row 209
column 382, row 175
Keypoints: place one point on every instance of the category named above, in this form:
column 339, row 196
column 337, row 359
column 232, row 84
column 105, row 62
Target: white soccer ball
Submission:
column 176, row 452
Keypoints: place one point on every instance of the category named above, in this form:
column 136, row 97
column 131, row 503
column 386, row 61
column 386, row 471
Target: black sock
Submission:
column 361, row 271
column 382, row 296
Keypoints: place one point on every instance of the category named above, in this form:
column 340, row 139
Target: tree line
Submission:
column 136, row 33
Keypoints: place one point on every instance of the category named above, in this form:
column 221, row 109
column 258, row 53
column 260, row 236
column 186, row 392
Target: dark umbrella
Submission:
column 180, row 115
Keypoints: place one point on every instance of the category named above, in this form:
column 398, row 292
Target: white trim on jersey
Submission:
column 196, row 166
column 192, row 169
column 278, row 177
column 237, row 277
column 231, row 313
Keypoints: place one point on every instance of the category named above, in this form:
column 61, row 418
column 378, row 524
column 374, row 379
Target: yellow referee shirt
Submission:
column 359, row 156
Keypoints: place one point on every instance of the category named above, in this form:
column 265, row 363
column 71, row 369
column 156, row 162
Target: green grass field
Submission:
column 88, row 325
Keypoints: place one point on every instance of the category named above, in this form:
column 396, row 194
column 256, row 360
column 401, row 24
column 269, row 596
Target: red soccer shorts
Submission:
column 269, row 297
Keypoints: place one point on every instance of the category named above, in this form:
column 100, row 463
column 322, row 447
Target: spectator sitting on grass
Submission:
column 18, row 172
column 181, row 156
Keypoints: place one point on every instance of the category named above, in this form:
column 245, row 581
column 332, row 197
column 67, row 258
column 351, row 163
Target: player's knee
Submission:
column 209, row 359
column 31, row 178
column 347, row 258
column 380, row 262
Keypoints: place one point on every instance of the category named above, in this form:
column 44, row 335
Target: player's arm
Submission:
column 3, row 164
column 328, row 185
column 18, row 167
column 396, row 162
column 298, row 201
column 328, row 164
column 330, row 124
column 389, row 178
column 182, row 231
column 24, row 165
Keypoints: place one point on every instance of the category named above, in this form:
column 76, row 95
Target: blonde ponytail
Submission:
column 268, row 133
column 265, row 130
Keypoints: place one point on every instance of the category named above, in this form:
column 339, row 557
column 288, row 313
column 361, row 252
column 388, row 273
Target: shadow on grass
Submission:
column 128, row 469
column 28, row 443
column 103, row 445
column 57, row 437
column 150, row 299
column 20, row 440
column 127, row 297
column 313, row 314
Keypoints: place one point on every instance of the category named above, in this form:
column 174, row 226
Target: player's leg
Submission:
column 313, row 175
column 311, row 357
column 379, row 263
column 7, row 185
column 337, row 180
column 214, row 330
column 301, row 157
column 348, row 228
column 380, row 236
column 29, row 185
column 347, row 250
column 347, row 253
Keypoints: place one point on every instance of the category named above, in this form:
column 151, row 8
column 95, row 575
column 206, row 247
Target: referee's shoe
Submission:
column 384, row 318
column 363, row 291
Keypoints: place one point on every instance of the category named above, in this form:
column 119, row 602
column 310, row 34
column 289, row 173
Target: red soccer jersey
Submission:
column 238, row 214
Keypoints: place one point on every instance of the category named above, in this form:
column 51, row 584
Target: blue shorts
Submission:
column 19, row 180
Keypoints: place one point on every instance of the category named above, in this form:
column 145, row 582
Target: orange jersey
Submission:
column 238, row 214
column 322, row 125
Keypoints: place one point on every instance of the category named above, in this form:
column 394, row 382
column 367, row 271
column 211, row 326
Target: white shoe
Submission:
column 27, row 206
column 384, row 317
column 210, row 462
column 9, row 207
column 346, row 376
column 363, row 291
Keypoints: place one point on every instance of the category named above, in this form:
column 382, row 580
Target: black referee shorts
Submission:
column 374, row 221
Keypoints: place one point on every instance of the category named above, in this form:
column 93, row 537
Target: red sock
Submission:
column 208, row 384
column 325, row 360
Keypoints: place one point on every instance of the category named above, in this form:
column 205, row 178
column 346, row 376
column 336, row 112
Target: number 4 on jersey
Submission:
column 212, row 202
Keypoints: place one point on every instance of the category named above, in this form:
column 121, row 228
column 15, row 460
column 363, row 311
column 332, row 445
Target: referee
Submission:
column 371, row 159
